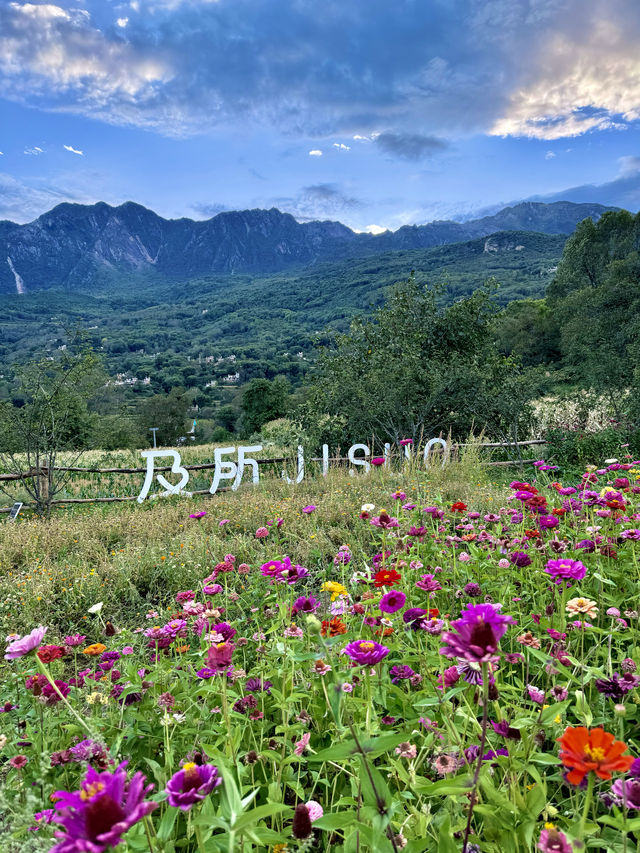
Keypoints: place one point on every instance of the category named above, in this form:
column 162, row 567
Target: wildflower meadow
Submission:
column 400, row 660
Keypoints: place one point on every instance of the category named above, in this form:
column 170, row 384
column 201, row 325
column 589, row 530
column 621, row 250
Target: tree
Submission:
column 52, row 418
column 595, row 299
column 417, row 369
column 264, row 400
column 167, row 412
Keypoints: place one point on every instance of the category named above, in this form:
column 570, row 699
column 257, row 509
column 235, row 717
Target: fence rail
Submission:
column 205, row 466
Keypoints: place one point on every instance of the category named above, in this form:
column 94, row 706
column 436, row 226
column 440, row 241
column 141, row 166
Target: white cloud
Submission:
column 315, row 152
column 73, row 150
column 586, row 80
column 549, row 155
column 341, row 146
column 629, row 165
column 34, row 152
column 122, row 22
column 375, row 229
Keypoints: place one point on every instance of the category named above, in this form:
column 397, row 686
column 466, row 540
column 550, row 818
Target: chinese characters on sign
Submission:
column 228, row 470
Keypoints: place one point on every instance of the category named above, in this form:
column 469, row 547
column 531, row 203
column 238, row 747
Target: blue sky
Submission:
column 377, row 113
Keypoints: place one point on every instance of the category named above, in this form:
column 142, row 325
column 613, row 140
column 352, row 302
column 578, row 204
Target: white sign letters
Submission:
column 230, row 471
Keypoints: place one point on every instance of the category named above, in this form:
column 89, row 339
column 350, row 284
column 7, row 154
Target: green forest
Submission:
column 460, row 337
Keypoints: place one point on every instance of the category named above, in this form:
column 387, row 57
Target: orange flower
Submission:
column 585, row 750
column 95, row 649
column 333, row 627
column 180, row 650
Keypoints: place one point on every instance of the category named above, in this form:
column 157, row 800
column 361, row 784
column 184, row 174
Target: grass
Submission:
column 136, row 556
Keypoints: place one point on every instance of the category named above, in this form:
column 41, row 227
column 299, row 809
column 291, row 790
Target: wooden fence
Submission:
column 204, row 466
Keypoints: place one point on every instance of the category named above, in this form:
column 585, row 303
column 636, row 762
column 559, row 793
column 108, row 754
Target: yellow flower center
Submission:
column 189, row 766
column 594, row 753
column 91, row 790
column 367, row 646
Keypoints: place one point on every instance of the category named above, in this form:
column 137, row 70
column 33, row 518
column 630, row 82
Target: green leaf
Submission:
column 335, row 820
column 165, row 826
column 259, row 813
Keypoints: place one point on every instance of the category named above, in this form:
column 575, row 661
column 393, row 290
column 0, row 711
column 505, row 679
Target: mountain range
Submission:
column 84, row 247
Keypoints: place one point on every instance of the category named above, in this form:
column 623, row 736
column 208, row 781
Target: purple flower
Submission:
column 428, row 583
column 305, row 604
column 98, row 815
column 274, row 567
column 630, row 534
column 413, row 617
column 628, row 791
column 20, row 648
column 520, row 559
column 257, row 685
column 400, row 672
column 565, row 569
column 587, row 545
column 74, row 640
column 219, row 656
column 392, row 601
column 308, row 509
column 554, row 841
column 192, row 784
column 478, row 633
column 365, row 652
column 473, row 589
column 535, row 695
column 548, row 521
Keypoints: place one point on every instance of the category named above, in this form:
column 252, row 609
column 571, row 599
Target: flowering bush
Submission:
column 455, row 678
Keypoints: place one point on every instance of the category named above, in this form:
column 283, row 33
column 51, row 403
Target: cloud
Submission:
column 585, row 77
column 33, row 152
column 315, row 152
column 629, row 165
column 208, row 209
column 341, row 146
column 419, row 72
column 22, row 203
column 549, row 155
column 73, row 150
column 409, row 146
column 318, row 201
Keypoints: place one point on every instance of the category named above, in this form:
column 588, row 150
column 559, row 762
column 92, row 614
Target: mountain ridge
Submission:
column 75, row 246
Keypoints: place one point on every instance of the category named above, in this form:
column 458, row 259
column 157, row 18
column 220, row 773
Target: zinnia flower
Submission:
column 565, row 569
column 386, row 577
column 582, row 605
column 478, row 633
column 392, row 601
column 365, row 652
column 192, row 784
column 94, row 649
column 21, row 647
column 584, row 750
column 628, row 791
column 97, row 816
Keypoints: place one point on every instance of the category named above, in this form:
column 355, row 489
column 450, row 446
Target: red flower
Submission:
column 458, row 506
column 559, row 511
column 386, row 577
column 585, row 750
column 333, row 627
column 49, row 653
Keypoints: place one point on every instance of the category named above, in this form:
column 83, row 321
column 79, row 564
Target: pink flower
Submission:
column 308, row 509
column 223, row 522
column 262, row 532
column 406, row 750
column 378, row 460
column 22, row 647
column 302, row 744
column 315, row 810
column 18, row 761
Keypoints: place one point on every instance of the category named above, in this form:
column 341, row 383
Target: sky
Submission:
column 376, row 113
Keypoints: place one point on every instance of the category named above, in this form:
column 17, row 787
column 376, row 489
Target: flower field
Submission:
column 392, row 662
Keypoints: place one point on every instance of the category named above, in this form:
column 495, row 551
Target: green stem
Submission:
column 587, row 805
column 45, row 672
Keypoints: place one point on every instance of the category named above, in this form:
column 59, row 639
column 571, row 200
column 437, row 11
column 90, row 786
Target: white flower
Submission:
column 96, row 608
column 610, row 461
column 179, row 718
column 367, row 507
column 3, row 741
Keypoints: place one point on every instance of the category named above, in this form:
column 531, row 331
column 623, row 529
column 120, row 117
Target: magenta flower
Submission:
column 477, row 634
column 308, row 509
column 262, row 532
column 392, row 601
column 378, row 460
column 554, row 841
column 191, row 785
column 274, row 567
column 219, row 656
column 305, row 604
column 628, row 792
column 565, row 569
column 404, row 442
column 20, row 648
column 198, row 514
column 97, row 816
column 428, row 583
column 74, row 640
column 365, row 652
column 302, row 744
